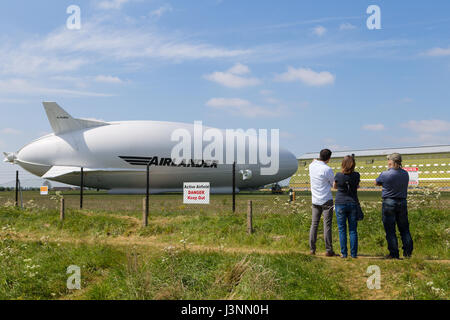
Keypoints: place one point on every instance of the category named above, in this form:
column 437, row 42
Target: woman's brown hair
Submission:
column 348, row 165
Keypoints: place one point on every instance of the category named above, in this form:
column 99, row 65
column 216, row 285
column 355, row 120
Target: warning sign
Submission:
column 196, row 192
column 413, row 175
column 44, row 191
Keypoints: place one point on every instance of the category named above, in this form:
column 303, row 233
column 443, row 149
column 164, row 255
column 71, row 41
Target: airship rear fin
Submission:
column 58, row 171
column 63, row 122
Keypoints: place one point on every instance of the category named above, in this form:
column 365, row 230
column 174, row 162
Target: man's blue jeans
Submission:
column 395, row 211
column 347, row 212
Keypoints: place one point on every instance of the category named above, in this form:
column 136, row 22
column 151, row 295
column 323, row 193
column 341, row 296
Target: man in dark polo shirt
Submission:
column 395, row 211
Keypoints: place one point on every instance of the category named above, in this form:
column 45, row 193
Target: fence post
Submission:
column 81, row 187
column 21, row 195
column 16, row 203
column 147, row 196
column 62, row 210
column 144, row 212
column 234, row 186
column 250, row 217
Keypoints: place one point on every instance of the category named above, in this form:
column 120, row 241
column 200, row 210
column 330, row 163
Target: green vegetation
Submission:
column 181, row 274
column 204, row 252
column 37, row 270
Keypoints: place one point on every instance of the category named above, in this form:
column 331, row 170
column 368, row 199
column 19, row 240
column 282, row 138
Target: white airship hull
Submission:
column 114, row 156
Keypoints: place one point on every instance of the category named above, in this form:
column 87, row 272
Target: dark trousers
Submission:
column 327, row 210
column 395, row 212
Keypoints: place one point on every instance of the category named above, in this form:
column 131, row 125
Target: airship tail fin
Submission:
column 59, row 171
column 62, row 122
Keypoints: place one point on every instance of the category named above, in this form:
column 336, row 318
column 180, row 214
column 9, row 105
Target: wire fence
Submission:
column 169, row 203
column 298, row 201
column 252, row 210
column 160, row 204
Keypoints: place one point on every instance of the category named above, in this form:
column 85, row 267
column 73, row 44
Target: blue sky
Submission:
column 309, row 68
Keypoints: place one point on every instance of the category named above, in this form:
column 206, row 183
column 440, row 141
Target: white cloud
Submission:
column 241, row 107
column 347, row 26
column 275, row 52
column 232, row 78
column 306, row 76
column 374, row 127
column 232, row 81
column 40, row 65
column 239, row 69
column 227, row 102
column 337, row 147
column 86, row 81
column 265, row 92
column 108, row 79
column 63, row 51
column 25, row 87
column 423, row 139
column 426, row 132
column 319, row 31
column 161, row 10
column 438, row 52
column 10, row 131
column 27, row 61
column 13, row 101
column 427, row 126
column 80, row 82
column 112, row 4
column 432, row 139
column 331, row 144
column 131, row 43
column 312, row 21
column 272, row 100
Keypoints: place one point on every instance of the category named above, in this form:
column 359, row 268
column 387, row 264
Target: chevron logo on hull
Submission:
column 168, row 162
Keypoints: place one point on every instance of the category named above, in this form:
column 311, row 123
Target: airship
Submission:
column 115, row 156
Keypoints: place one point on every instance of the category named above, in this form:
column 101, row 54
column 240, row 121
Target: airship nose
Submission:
column 10, row 157
column 32, row 158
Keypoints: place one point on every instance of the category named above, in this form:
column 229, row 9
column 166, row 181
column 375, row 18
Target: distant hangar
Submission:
column 432, row 164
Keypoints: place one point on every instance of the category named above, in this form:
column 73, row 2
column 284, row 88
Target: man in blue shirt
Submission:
column 395, row 210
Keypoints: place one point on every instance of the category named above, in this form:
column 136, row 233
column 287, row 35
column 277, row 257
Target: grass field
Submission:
column 204, row 252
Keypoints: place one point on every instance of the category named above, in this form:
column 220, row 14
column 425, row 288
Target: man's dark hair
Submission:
column 325, row 155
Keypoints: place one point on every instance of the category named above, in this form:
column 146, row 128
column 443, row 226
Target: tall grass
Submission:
column 206, row 250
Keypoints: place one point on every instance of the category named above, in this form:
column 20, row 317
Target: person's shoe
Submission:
column 331, row 254
column 344, row 257
column 312, row 253
column 389, row 256
column 354, row 257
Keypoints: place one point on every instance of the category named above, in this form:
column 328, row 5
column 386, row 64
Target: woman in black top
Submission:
column 347, row 184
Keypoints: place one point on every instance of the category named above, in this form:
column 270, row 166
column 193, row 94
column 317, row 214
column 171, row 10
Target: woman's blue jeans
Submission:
column 347, row 213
